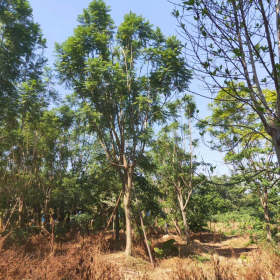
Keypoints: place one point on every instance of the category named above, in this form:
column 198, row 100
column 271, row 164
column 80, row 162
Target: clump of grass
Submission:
column 188, row 270
column 165, row 249
column 201, row 259
column 262, row 265
column 82, row 259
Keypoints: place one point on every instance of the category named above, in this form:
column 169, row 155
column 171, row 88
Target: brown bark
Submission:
column 186, row 227
column 146, row 240
column 127, row 209
column 11, row 214
column 46, row 208
column 264, row 202
column 1, row 223
column 184, row 217
column 114, row 211
column 20, row 212
column 177, row 227
column 278, row 26
column 117, row 225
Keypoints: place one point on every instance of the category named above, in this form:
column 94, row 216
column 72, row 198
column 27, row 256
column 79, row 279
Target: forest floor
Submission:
column 211, row 256
column 206, row 247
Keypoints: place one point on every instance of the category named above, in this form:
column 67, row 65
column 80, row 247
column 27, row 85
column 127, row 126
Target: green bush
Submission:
column 247, row 223
column 165, row 249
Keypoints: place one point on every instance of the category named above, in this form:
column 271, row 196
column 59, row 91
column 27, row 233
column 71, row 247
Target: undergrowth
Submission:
column 88, row 258
column 263, row 265
column 82, row 259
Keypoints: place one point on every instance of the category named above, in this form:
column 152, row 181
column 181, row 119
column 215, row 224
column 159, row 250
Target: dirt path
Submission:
column 204, row 247
column 225, row 246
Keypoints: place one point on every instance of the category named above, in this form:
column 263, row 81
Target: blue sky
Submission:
column 58, row 18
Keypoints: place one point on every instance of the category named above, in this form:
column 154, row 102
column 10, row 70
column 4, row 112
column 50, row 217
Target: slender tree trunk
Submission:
column 20, row 212
column 127, row 209
column 177, row 227
column 116, row 207
column 186, row 227
column 146, row 240
column 185, row 222
column 46, row 209
column 264, row 202
column 138, row 222
column 117, row 224
column 46, row 221
column 267, row 226
column 276, row 142
column 278, row 26
column 1, row 223
column 10, row 216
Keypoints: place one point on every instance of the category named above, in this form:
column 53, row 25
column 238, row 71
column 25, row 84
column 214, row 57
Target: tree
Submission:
column 124, row 79
column 25, row 91
column 176, row 163
column 236, row 48
column 241, row 134
column 20, row 58
column 174, row 174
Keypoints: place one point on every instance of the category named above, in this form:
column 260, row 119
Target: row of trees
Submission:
column 123, row 143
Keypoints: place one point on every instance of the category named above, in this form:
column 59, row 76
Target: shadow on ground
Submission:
column 203, row 243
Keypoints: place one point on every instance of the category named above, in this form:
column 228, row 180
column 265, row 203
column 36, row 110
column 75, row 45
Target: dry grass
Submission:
column 261, row 265
column 98, row 257
column 83, row 259
column 89, row 258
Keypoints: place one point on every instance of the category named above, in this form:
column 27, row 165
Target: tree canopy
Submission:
column 122, row 151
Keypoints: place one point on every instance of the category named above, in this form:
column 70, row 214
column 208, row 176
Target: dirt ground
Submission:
column 205, row 246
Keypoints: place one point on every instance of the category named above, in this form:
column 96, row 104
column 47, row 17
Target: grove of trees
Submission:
column 122, row 149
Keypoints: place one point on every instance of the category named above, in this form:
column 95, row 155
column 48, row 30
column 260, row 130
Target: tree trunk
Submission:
column 46, row 221
column 112, row 217
column 177, row 227
column 38, row 218
column 264, row 202
column 186, row 227
column 1, row 223
column 146, row 240
column 185, row 222
column 267, row 226
column 127, row 209
column 275, row 135
column 20, row 212
column 117, row 225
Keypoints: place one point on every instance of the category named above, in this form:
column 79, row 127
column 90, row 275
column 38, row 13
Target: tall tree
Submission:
column 124, row 78
column 240, row 134
column 176, row 162
column 20, row 59
column 236, row 47
column 24, row 92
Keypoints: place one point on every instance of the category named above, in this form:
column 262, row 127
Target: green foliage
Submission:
column 122, row 79
column 68, row 165
column 201, row 259
column 167, row 248
column 159, row 252
column 21, row 40
column 243, row 222
column 238, row 131
column 103, row 66
column 82, row 220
